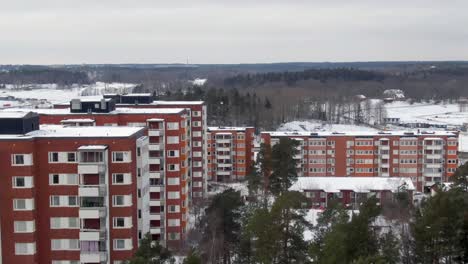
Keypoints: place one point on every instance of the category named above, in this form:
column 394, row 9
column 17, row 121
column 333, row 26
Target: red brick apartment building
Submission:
column 350, row 191
column 197, row 125
column 169, row 156
column 230, row 152
column 71, row 194
column 424, row 157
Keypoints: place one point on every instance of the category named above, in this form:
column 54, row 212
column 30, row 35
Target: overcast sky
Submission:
column 231, row 31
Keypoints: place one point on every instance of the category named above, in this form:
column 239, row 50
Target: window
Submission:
column 21, row 160
column 63, row 201
column 22, row 182
column 197, row 143
column 64, row 223
column 172, row 125
column 24, row 226
column 121, row 178
column 196, row 123
column 71, row 157
column 174, row 208
column 174, row 236
column 123, row 244
column 121, row 156
column 173, row 153
column 196, row 113
column 173, row 195
column 65, row 244
column 53, row 157
column 196, row 134
column 172, row 140
column 173, row 222
column 173, row 167
column 23, row 204
column 25, row 248
column 66, row 262
column 122, row 222
column 173, row 181
column 63, row 179
column 121, row 200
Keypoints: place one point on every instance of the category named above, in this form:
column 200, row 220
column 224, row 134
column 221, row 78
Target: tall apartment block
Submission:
column 71, row 194
column 197, row 129
column 168, row 156
column 230, row 152
column 425, row 157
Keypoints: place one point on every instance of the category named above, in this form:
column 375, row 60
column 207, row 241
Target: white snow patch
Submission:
column 316, row 126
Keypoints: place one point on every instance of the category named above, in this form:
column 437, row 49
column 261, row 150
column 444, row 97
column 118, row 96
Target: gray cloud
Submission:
column 144, row 31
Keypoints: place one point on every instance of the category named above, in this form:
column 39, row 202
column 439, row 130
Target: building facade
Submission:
column 230, row 153
column 424, row 157
column 350, row 191
column 168, row 156
column 73, row 195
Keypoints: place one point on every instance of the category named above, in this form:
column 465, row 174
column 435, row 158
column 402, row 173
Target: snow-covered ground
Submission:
column 444, row 114
column 45, row 95
column 316, row 125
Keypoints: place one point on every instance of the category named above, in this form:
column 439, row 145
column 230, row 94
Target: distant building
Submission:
column 463, row 148
column 230, row 152
column 424, row 157
column 350, row 191
column 391, row 120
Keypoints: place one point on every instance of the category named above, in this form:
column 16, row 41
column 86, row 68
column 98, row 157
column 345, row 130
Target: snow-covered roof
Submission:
column 60, row 131
column 356, row 184
column 77, row 120
column 93, row 147
column 214, row 129
column 14, row 114
column 358, row 133
column 178, row 102
column 66, row 111
column 137, row 94
column 93, row 99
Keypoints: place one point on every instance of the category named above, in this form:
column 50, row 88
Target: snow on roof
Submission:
column 77, row 120
column 357, row 133
column 178, row 102
column 66, row 111
column 93, row 147
column 137, row 94
column 93, row 99
column 93, row 131
column 356, row 184
column 463, row 142
column 213, row 129
column 13, row 114
column 155, row 120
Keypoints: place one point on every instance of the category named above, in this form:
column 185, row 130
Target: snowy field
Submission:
column 444, row 114
column 45, row 95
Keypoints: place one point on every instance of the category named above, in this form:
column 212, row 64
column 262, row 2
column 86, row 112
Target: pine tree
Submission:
column 150, row 253
column 192, row 258
column 284, row 166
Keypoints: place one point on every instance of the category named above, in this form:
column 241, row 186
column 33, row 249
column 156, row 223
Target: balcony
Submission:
column 92, row 213
column 224, row 165
column 155, row 175
column 434, row 147
column 154, row 202
column 84, row 168
column 385, row 165
column 223, row 172
column 154, row 216
column 155, row 146
column 155, row 160
column 434, row 156
column 384, row 156
column 433, row 165
column 93, row 257
column 155, row 132
column 223, row 141
column 223, row 157
column 92, row 235
column 156, row 189
column 91, row 191
column 223, row 149
column 155, row 230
